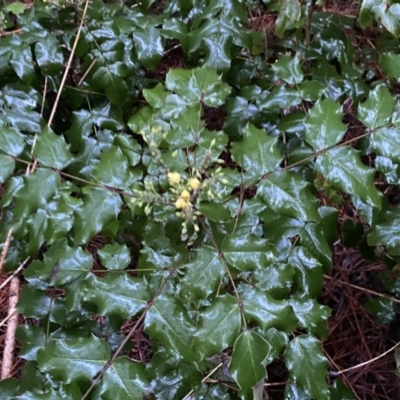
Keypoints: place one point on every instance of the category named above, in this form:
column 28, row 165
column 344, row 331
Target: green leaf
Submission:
column 275, row 279
column 340, row 392
column 383, row 309
column 257, row 153
column 62, row 264
column 149, row 46
column 390, row 65
column 33, row 303
column 267, row 312
column 115, row 256
column 384, row 141
column 12, row 142
column 289, row 11
column 8, row 388
column 81, row 359
column 311, row 315
column 323, row 126
column 308, row 271
column 22, row 61
column 49, row 56
column 32, row 339
column 343, row 169
column 218, row 327
column 167, row 322
column 113, row 169
column 156, row 96
column 387, row 233
column 288, row 68
column 16, row 8
column 247, row 252
column 200, row 84
column 288, row 194
column 114, row 86
column 7, row 166
column 51, row 150
column 116, row 294
column 377, row 110
column 100, row 207
column 246, row 366
column 203, row 275
column 313, row 239
column 310, row 373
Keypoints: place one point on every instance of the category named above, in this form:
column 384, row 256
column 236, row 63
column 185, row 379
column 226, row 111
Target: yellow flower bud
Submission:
column 174, row 178
column 194, row 183
column 185, row 195
column 180, row 203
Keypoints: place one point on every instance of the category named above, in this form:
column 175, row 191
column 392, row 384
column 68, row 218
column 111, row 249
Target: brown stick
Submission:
column 9, row 343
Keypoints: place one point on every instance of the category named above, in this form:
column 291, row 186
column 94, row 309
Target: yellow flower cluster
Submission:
column 183, row 200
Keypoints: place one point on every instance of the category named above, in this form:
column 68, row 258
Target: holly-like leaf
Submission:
column 49, row 56
column 308, row 271
column 81, row 359
column 116, row 294
column 219, row 326
column 51, row 150
column 200, row 84
column 246, row 366
column 115, row 256
column 12, row 142
column 275, row 279
column 202, row 276
column 323, row 126
column 267, row 312
column 312, row 237
column 113, row 169
column 114, row 86
column 384, row 141
column 149, row 46
column 288, row 194
column 257, row 153
column 343, row 169
column 32, row 339
column 377, row 110
column 310, row 374
column 247, row 252
column 288, row 68
column 389, row 63
column 311, row 315
column 387, row 233
column 167, row 322
column 22, row 61
column 100, row 207
column 33, row 303
column 289, row 12
column 7, row 166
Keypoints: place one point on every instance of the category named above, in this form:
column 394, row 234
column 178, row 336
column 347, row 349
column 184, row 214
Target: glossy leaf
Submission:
column 115, row 256
column 52, row 150
column 246, row 366
column 323, row 126
column 32, row 339
column 82, row 358
column 376, row 111
column 288, row 68
column 387, row 233
column 201, row 84
column 288, row 194
column 100, row 207
column 262, row 308
column 149, row 45
column 343, row 169
column 384, row 141
column 309, row 375
column 203, row 275
column 115, row 294
column 389, row 63
column 247, row 253
column 219, row 326
column 34, row 303
column 257, row 153
column 167, row 322
column 49, row 55
column 114, row 86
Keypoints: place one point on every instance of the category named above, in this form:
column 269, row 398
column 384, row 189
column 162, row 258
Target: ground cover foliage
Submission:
column 188, row 189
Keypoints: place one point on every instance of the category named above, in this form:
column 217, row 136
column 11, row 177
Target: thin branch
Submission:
column 15, row 273
column 5, row 249
column 9, row 342
column 363, row 289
